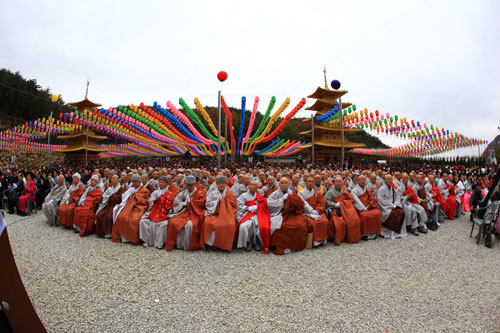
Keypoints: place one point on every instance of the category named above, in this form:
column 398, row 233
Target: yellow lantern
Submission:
column 54, row 98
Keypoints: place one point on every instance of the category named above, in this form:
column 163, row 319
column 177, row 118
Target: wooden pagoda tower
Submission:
column 77, row 142
column 327, row 137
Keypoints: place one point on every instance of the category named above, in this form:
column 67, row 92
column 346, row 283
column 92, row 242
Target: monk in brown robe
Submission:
column 87, row 205
column 127, row 215
column 104, row 215
column 345, row 223
column 366, row 205
column 288, row 224
column 68, row 203
column 219, row 226
column 188, row 214
column 314, row 210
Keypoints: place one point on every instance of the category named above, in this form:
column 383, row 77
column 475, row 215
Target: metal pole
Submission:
column 218, row 138
column 341, row 129
column 225, row 141
column 48, row 142
column 87, row 146
column 276, row 151
column 312, row 138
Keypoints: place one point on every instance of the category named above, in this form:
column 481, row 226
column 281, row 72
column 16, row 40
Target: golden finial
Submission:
column 324, row 73
column 87, row 92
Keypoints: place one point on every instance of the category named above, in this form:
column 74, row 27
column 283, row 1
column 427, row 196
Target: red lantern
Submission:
column 222, row 76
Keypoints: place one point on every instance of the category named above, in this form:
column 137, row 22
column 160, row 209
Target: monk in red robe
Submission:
column 345, row 223
column 69, row 201
column 188, row 214
column 219, row 227
column 87, row 205
column 451, row 202
column 128, row 213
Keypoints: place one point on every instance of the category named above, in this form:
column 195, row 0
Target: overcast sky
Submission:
column 434, row 61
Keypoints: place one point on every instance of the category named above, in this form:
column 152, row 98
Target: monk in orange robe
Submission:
column 317, row 222
column 127, row 215
column 345, row 223
column 188, row 214
column 87, row 205
column 69, row 201
column 366, row 205
column 219, row 226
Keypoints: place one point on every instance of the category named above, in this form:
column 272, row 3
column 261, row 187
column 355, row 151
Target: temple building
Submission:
column 77, row 142
column 327, row 138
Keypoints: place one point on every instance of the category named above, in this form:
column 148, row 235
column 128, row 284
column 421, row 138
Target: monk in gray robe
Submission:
column 187, row 217
column 253, row 220
column 52, row 200
column 372, row 184
column 393, row 216
column 409, row 203
column 241, row 186
column 154, row 223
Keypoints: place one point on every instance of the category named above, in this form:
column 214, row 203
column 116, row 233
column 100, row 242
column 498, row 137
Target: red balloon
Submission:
column 222, row 76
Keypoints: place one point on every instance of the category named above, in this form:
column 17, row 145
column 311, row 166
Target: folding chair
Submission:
column 486, row 223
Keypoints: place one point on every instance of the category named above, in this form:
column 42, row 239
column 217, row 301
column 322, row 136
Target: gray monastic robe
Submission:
column 388, row 199
column 211, row 205
column 125, row 196
column 419, row 215
column 356, row 192
column 275, row 205
column 330, row 205
column 441, row 186
column 180, row 202
column 153, row 233
column 249, row 232
column 51, row 203
column 106, row 195
column 372, row 187
column 238, row 189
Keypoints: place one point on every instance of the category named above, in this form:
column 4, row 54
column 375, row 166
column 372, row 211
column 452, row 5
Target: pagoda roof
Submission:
column 330, row 129
column 334, row 144
column 322, row 93
column 323, row 106
column 80, row 134
column 85, row 104
column 73, row 149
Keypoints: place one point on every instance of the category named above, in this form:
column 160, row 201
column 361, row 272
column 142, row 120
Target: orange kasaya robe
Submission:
column 318, row 228
column 270, row 191
column 127, row 222
column 66, row 212
column 293, row 232
column 223, row 223
column 194, row 212
column 85, row 215
column 371, row 219
column 104, row 219
column 349, row 224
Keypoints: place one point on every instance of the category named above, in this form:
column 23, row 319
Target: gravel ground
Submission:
column 441, row 281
